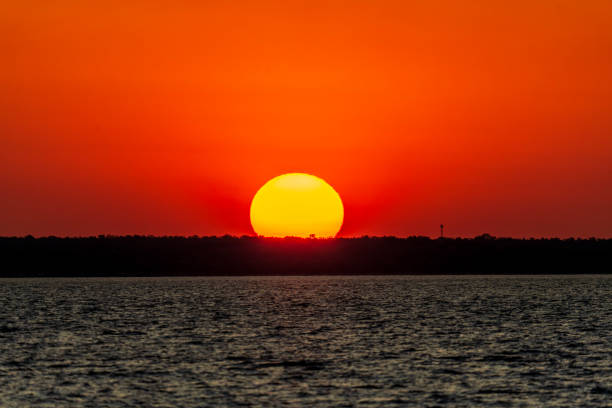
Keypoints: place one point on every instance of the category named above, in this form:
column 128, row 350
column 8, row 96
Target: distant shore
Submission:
column 236, row 256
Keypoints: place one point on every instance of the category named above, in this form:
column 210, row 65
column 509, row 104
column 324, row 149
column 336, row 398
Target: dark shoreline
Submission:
column 250, row 256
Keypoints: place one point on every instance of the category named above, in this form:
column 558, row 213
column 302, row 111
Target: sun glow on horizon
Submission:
column 299, row 205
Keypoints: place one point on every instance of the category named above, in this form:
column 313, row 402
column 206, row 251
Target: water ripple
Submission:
column 307, row 341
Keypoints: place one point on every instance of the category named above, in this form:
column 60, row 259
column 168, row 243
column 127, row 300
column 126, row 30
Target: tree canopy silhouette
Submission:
column 227, row 255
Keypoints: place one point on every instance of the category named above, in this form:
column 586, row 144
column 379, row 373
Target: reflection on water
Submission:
column 307, row 341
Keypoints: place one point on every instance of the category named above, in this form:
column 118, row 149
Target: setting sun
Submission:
column 298, row 205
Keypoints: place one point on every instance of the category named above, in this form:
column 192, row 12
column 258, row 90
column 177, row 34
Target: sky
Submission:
column 165, row 117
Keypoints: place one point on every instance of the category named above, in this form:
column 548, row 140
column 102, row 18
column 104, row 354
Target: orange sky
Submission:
column 157, row 117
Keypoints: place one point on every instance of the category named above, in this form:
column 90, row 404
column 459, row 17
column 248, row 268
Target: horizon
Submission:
column 258, row 256
column 315, row 238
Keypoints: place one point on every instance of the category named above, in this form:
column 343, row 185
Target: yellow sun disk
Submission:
column 298, row 205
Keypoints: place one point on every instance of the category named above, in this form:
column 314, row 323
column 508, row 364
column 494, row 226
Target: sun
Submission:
column 297, row 205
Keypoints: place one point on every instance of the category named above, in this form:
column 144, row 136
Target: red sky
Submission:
column 155, row 117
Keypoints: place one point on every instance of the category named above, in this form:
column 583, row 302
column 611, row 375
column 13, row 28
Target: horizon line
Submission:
column 484, row 236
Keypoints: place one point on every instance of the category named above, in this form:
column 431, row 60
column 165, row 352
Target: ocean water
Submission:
column 307, row 341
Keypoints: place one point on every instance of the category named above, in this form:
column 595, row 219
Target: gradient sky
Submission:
column 154, row 117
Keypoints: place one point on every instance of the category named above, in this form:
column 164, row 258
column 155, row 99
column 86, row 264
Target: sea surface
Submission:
column 495, row 341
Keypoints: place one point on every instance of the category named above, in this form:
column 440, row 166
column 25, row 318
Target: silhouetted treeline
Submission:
column 175, row 256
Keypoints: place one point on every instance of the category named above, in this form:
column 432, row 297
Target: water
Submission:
column 307, row 341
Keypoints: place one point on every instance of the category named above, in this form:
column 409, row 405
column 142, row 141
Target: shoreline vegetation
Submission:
column 136, row 255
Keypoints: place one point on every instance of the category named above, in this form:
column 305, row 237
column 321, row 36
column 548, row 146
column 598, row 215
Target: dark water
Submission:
column 307, row 341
